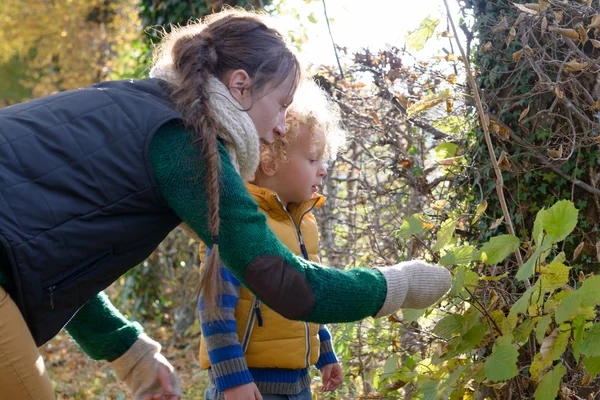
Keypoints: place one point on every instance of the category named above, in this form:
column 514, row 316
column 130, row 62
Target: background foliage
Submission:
column 414, row 181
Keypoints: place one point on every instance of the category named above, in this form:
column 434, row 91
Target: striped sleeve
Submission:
column 326, row 354
column 225, row 353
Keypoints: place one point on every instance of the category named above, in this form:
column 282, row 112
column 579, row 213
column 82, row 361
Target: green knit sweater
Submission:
column 103, row 333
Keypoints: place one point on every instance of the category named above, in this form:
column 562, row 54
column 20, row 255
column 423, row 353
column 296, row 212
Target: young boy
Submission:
column 252, row 351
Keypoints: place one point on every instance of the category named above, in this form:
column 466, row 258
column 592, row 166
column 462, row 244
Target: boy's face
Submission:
column 300, row 177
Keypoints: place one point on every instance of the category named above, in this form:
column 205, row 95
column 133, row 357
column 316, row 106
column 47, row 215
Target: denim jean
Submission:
column 211, row 394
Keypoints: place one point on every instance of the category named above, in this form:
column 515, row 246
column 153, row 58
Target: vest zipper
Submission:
column 258, row 313
column 74, row 275
column 250, row 324
column 305, row 255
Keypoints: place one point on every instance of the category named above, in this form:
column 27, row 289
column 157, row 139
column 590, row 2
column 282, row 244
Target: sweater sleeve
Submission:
column 326, row 353
column 101, row 331
column 225, row 352
column 249, row 248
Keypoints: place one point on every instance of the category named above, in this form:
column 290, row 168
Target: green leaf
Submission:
column 560, row 345
column 416, row 39
column 590, row 292
column 449, row 326
column 590, row 346
column 578, row 330
column 542, row 327
column 554, row 276
column 548, row 387
column 501, row 365
column 411, row 315
column 411, row 226
column 427, row 390
column 390, row 365
column 444, row 235
column 445, row 150
column 498, row 248
column 528, row 268
column 312, row 18
column 458, row 283
column 531, row 296
column 458, row 255
column 481, row 207
column 560, row 220
column 592, row 365
column 538, row 226
column 569, row 306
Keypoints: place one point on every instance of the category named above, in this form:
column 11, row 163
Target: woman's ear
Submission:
column 239, row 84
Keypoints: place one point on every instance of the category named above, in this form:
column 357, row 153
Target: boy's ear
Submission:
column 239, row 83
column 269, row 169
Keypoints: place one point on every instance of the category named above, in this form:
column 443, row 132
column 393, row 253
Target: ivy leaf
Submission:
column 458, row 255
column 449, row 326
column 554, row 276
column 592, row 365
column 444, row 235
column 548, row 387
column 501, row 365
column 416, row 39
column 590, row 346
column 498, row 248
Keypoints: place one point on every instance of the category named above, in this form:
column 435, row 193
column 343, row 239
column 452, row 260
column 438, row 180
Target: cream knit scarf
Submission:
column 238, row 133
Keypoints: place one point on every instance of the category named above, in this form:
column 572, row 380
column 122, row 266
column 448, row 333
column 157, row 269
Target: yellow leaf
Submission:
column 578, row 250
column 449, row 105
column 517, row 55
column 486, row 47
column 544, row 25
column 439, row 205
column 528, row 49
column 568, row 33
column 429, row 102
column 595, row 43
column 575, row 66
column 499, row 129
column 582, row 33
column 525, row 9
column 497, row 223
column 511, row 35
column 556, row 153
column 595, row 106
column 558, row 16
column 426, row 224
column 451, row 78
column 479, row 211
column 559, row 93
column 524, row 114
column 595, row 22
column 504, row 163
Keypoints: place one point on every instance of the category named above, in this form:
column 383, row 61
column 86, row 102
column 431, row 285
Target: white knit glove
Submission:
column 413, row 284
column 146, row 372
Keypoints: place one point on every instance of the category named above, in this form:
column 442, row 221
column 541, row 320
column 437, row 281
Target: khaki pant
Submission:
column 23, row 374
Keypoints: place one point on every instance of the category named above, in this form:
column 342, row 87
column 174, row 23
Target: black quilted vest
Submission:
column 79, row 205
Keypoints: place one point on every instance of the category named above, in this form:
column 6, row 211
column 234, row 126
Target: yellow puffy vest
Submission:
column 277, row 342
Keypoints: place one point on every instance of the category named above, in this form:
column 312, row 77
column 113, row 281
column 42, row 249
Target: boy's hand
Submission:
column 248, row 391
column 332, row 377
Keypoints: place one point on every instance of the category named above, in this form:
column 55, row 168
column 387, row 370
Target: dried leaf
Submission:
column 499, row 129
column 504, row 163
column 582, row 34
column 559, row 93
column 595, row 106
column 429, row 102
column 558, row 16
column 595, row 22
column 497, row 223
column 556, row 153
column 517, row 55
column 451, row 78
column 542, row 5
column 486, row 47
column 502, row 25
column 544, row 25
column 375, row 118
column 578, row 250
column 511, row 35
column 528, row 49
column 575, row 66
column 568, row 33
column 524, row 114
column 527, row 10
column 449, row 105
column 439, row 205
column 598, row 250
column 595, row 43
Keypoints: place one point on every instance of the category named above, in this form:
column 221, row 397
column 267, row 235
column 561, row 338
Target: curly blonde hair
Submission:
column 311, row 108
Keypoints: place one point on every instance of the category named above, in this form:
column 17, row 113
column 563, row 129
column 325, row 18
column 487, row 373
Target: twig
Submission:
column 332, row 41
column 488, row 139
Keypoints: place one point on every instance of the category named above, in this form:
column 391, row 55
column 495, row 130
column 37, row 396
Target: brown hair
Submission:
column 314, row 109
column 229, row 40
